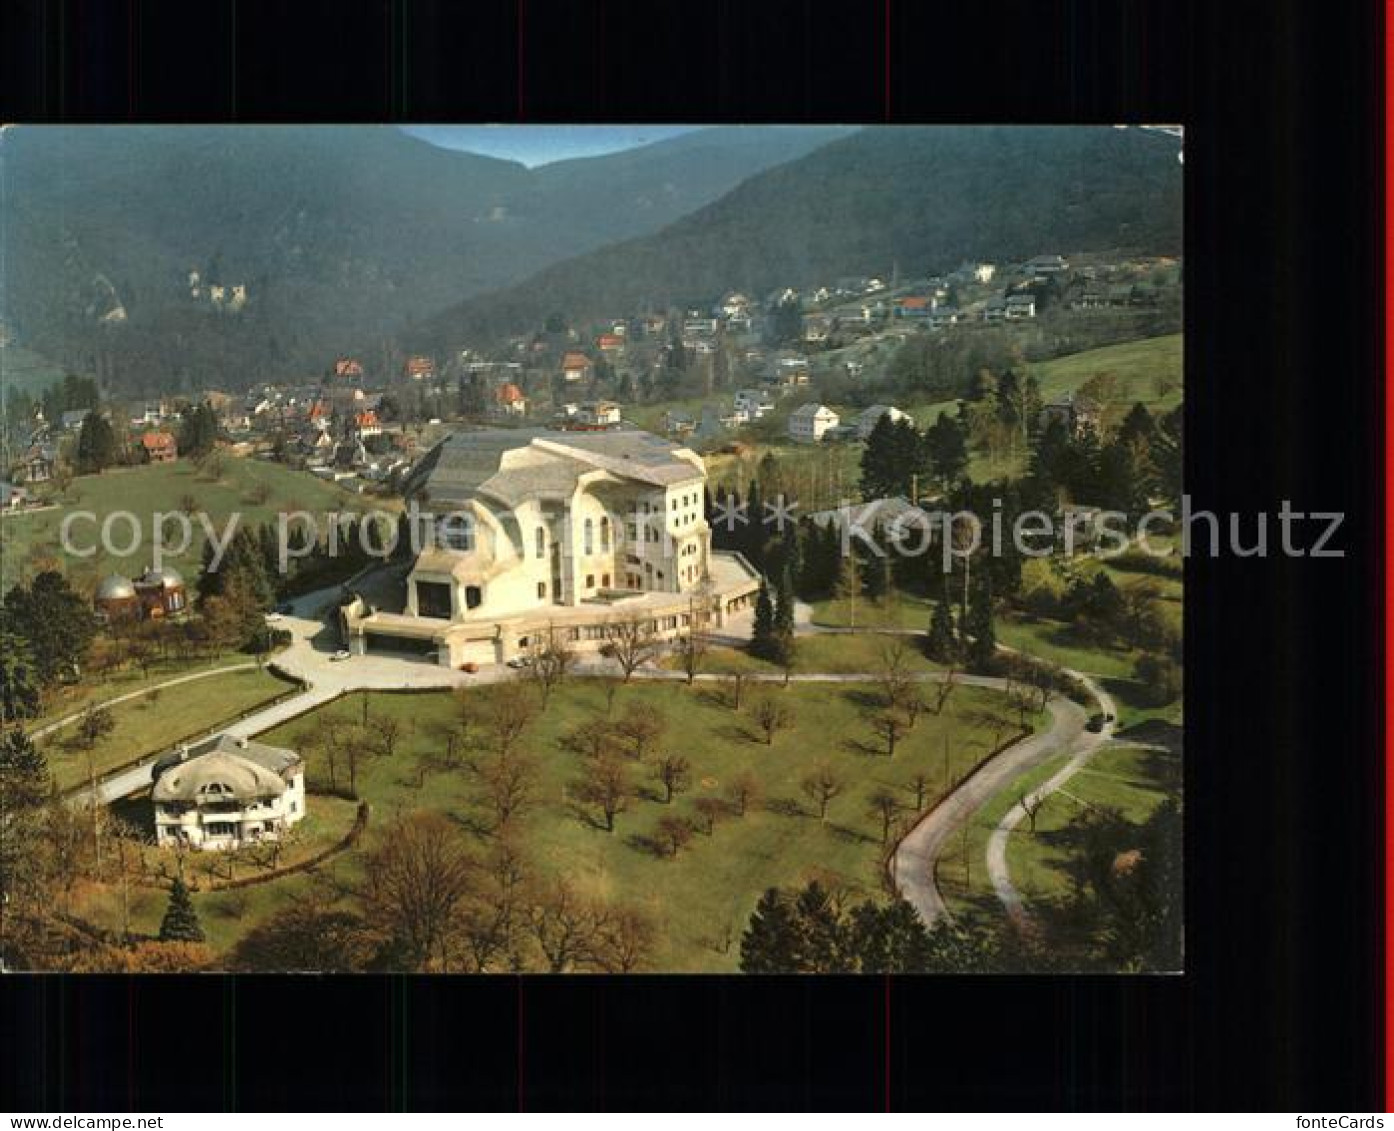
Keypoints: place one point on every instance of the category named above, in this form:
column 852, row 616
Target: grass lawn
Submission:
column 64, row 700
column 1132, row 781
column 1053, row 641
column 1137, row 367
column 223, row 914
column 32, row 540
column 835, row 653
column 897, row 609
column 701, row 899
column 962, row 874
column 147, row 725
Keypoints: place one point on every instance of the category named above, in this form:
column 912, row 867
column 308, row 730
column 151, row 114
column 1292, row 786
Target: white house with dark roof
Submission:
column 226, row 794
column 522, row 531
column 808, row 423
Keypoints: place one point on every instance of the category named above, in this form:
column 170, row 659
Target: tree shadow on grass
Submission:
column 647, row 845
column 865, row 700
column 785, row 807
column 852, row 836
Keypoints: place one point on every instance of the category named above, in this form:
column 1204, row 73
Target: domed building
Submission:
column 116, row 598
column 229, row 793
column 155, row 593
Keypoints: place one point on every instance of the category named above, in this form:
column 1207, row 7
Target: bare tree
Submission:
column 893, row 675
column 674, row 773
column 492, row 920
column 708, row 809
column 565, row 927
column 891, row 726
column 692, row 651
column 632, row 642
column 508, row 712
column 885, row 805
column 605, row 784
column 943, row 690
column 552, row 659
column 771, row 716
column 673, row 833
column 919, row 786
column 735, row 689
column 509, row 784
column 415, row 881
column 96, row 723
column 385, row 732
column 743, row 792
column 624, row 940
column 641, row 728
column 821, row 785
column 592, row 739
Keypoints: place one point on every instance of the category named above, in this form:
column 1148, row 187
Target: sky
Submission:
column 541, row 145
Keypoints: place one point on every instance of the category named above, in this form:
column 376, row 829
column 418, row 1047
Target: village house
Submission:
column 1043, row 266
column 915, row 306
column 942, row 317
column 419, row 368
column 612, row 345
column 72, row 420
column 575, row 366
column 38, row 463
column 867, row 421
column 365, row 424
column 508, row 401
column 754, row 403
column 12, row 498
column 597, row 414
column 808, row 423
column 534, row 532
column 159, row 447
column 678, row 423
column 1020, row 307
column 227, row 793
column 348, row 369
column 1076, row 413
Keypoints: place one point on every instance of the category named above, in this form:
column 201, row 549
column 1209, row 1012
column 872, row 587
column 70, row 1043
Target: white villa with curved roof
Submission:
column 526, row 530
column 230, row 793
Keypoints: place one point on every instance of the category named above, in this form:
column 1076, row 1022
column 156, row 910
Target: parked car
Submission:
column 469, row 667
column 341, row 654
column 1095, row 724
column 520, row 662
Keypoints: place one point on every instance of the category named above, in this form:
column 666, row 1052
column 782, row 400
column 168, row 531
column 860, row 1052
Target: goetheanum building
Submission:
column 517, row 532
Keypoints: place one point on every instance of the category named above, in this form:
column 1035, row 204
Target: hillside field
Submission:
column 256, row 489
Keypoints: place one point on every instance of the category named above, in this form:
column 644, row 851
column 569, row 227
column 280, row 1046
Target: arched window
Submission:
column 605, row 533
column 590, row 536
column 541, row 539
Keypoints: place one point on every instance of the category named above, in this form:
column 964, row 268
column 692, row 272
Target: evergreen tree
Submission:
column 55, row 621
column 893, row 455
column 946, row 449
column 19, row 686
column 180, row 923
column 762, row 635
column 941, row 643
column 24, row 780
column 96, row 444
column 982, row 644
column 199, row 431
column 821, row 932
column 24, row 792
column 1137, row 425
column 770, row 942
column 782, row 634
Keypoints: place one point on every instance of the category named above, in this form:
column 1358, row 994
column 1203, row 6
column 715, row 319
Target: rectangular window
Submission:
column 541, row 590
column 433, row 599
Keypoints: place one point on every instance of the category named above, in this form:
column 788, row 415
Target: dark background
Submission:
column 1281, row 1006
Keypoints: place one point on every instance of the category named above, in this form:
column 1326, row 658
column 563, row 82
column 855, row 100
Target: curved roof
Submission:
column 115, row 588
column 226, row 768
column 165, row 576
column 514, row 464
column 218, row 776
